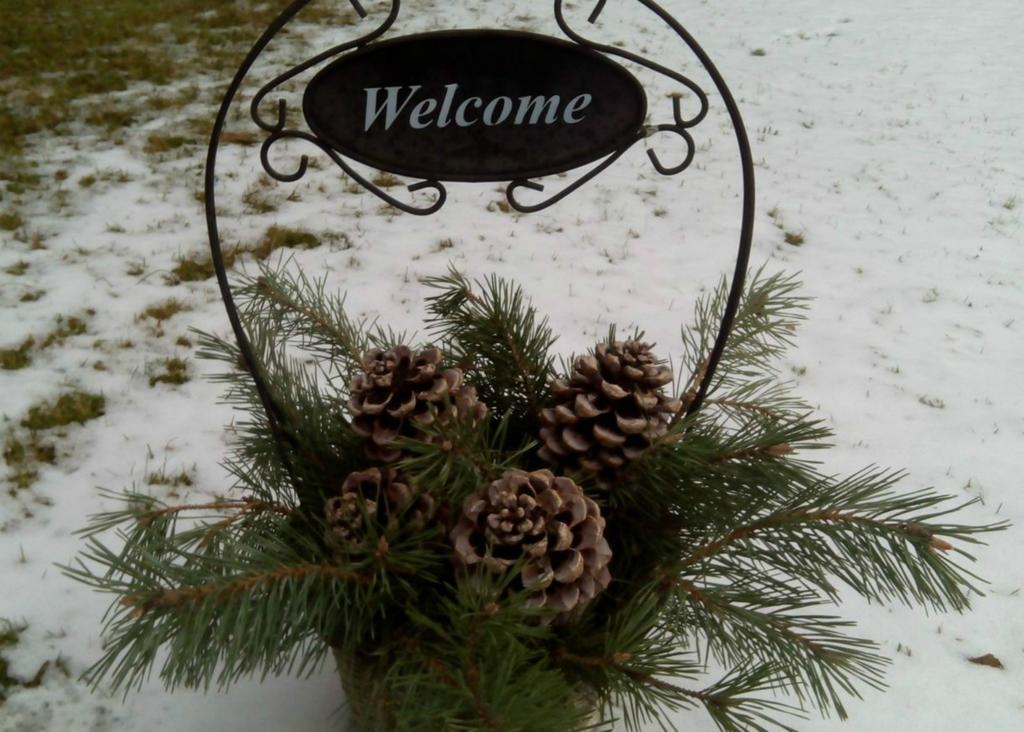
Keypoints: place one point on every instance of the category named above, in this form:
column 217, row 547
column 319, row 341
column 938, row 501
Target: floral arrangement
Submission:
column 487, row 540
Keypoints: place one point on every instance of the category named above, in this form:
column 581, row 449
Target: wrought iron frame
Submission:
column 277, row 131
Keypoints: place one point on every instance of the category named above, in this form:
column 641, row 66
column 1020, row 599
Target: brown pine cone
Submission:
column 612, row 409
column 400, row 392
column 380, row 495
column 547, row 520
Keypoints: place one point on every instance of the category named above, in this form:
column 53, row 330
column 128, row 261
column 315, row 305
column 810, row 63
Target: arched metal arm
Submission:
column 282, row 107
column 274, row 411
column 702, row 98
column 746, row 165
column 747, row 219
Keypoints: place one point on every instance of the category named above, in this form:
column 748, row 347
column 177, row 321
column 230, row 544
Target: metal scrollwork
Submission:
column 679, row 125
column 514, row 202
column 278, row 132
column 276, row 128
column 282, row 104
column 439, row 199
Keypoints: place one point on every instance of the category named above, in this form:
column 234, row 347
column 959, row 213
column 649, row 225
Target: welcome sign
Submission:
column 475, row 106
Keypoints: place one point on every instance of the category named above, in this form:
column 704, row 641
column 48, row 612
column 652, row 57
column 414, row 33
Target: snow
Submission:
column 886, row 133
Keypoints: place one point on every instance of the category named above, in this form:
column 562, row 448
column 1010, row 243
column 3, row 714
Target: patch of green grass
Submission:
column 111, row 115
column 18, row 453
column 17, row 269
column 10, row 635
column 18, row 180
column 234, row 137
column 87, row 181
column 758, row 52
column 282, row 237
column 197, row 268
column 176, row 480
column 23, row 459
column 66, row 327
column 10, row 632
column 11, row 221
column 386, row 180
column 164, row 310
column 162, row 100
column 57, row 53
column 175, row 372
column 21, row 479
column 191, row 269
column 71, row 408
column 157, row 144
column 256, row 200
column 31, row 296
column 114, row 175
column 12, row 359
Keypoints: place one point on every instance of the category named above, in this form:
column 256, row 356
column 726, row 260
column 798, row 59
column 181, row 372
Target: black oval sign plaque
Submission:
column 475, row 106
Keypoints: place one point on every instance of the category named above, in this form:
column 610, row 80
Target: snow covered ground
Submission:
column 888, row 147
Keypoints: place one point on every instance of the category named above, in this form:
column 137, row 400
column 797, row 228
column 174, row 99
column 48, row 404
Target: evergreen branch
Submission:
column 459, row 456
column 471, row 674
column 301, row 308
column 246, row 505
column 729, row 710
column 704, row 473
column 616, row 660
column 774, row 450
column 496, row 337
column 263, row 601
column 618, row 656
column 765, row 321
column 640, row 654
column 734, row 706
column 320, row 442
column 757, row 619
column 883, row 544
column 755, row 406
column 176, row 598
column 473, row 663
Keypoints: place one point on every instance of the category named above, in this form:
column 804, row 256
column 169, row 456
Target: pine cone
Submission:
column 380, row 495
column 549, row 521
column 401, row 392
column 610, row 411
